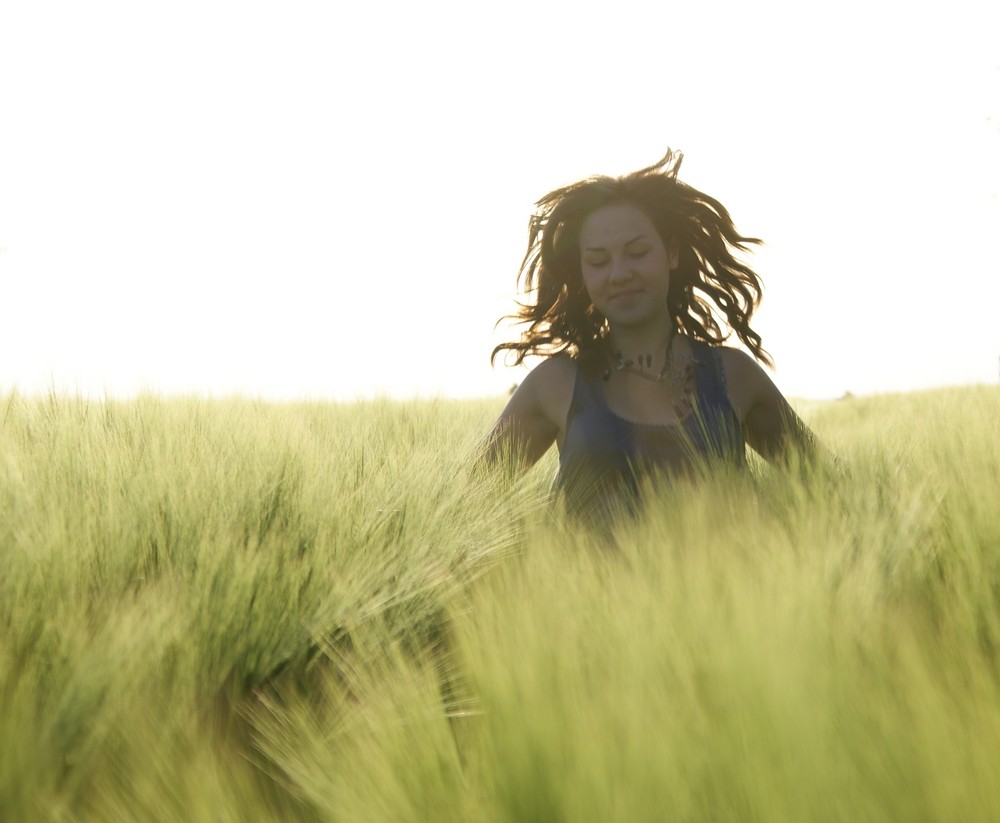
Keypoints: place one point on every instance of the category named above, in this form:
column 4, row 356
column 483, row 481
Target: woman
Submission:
column 625, row 276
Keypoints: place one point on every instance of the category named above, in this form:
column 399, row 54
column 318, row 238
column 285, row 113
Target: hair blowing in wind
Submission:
column 709, row 281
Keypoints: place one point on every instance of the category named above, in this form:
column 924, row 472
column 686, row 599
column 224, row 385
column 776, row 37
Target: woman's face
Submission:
column 626, row 268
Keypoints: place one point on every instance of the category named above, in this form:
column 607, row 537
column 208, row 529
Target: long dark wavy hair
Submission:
column 561, row 317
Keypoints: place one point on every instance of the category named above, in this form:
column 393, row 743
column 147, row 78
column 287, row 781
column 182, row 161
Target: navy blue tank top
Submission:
column 603, row 455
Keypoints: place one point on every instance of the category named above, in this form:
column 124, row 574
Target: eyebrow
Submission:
column 627, row 243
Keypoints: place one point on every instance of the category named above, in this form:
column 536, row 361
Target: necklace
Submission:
column 642, row 366
column 678, row 374
column 643, row 369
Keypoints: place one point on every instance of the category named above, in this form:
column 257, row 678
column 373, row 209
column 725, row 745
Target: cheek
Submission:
column 591, row 283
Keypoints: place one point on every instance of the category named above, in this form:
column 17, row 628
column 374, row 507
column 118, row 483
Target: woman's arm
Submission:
column 771, row 426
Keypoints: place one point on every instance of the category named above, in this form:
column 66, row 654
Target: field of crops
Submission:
column 240, row 611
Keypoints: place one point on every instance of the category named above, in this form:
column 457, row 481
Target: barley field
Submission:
column 242, row 611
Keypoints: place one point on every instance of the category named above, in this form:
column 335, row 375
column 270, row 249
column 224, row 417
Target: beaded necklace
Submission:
column 676, row 372
column 643, row 364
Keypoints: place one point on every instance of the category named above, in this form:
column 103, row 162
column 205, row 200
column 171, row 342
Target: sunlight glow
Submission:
column 321, row 201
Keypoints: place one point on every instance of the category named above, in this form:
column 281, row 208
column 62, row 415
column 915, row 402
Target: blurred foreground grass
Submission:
column 242, row 611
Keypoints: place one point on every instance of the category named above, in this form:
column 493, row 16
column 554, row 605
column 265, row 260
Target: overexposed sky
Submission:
column 319, row 199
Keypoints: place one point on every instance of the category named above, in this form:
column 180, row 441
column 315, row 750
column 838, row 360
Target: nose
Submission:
column 620, row 269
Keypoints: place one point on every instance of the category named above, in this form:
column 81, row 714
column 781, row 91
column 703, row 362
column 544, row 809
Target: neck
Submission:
column 653, row 340
column 649, row 359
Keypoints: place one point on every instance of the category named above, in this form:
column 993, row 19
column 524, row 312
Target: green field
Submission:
column 240, row 611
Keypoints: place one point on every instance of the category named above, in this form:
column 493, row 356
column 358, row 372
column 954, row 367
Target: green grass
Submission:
column 243, row 611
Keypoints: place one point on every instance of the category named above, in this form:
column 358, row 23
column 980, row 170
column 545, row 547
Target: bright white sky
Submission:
column 323, row 199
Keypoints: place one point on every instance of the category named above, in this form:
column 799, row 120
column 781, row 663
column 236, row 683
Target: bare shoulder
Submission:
column 548, row 388
column 746, row 381
column 770, row 424
column 559, row 367
column 535, row 415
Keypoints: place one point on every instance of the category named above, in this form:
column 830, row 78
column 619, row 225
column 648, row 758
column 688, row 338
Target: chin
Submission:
column 631, row 319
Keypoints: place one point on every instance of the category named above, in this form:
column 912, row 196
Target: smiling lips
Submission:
column 627, row 293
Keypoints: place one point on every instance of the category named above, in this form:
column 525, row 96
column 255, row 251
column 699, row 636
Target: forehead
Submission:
column 615, row 224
